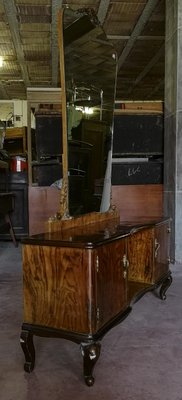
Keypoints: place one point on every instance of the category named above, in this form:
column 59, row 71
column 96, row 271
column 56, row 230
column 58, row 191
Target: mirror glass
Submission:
column 90, row 76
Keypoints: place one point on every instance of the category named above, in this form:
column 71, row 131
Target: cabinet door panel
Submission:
column 140, row 256
column 111, row 281
column 161, row 251
column 56, row 287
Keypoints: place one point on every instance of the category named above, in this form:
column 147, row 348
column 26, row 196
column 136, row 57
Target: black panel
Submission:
column 139, row 173
column 14, row 145
column 48, row 136
column 138, row 134
column 46, row 173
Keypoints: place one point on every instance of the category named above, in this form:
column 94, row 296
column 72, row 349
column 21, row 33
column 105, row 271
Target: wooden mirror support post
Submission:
column 82, row 277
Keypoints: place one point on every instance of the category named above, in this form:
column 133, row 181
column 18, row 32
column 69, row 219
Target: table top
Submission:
column 92, row 235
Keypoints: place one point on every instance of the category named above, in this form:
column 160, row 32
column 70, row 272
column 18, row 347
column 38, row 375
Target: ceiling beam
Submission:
column 11, row 15
column 149, row 8
column 102, row 11
column 125, row 37
column 56, row 5
column 147, row 68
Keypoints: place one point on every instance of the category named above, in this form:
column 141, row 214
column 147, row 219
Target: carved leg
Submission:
column 26, row 341
column 91, row 353
column 165, row 285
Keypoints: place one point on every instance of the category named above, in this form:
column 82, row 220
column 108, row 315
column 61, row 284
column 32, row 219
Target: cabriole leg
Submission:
column 90, row 353
column 26, row 341
column 165, row 285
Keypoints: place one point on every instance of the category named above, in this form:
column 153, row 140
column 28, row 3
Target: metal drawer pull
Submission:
column 125, row 262
column 125, row 266
column 157, row 247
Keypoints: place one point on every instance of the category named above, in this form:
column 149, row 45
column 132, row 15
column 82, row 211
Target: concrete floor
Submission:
column 141, row 358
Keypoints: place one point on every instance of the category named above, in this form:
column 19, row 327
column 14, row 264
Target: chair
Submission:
column 7, row 202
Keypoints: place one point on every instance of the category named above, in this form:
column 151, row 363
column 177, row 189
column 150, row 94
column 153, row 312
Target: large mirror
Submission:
column 89, row 76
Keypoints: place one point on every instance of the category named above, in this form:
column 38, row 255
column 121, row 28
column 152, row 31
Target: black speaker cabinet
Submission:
column 48, row 135
column 138, row 134
column 137, row 173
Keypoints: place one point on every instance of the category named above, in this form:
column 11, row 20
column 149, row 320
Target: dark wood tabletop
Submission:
column 91, row 235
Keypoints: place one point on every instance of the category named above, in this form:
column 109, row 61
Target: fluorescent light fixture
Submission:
column 85, row 110
column 88, row 110
column 1, row 61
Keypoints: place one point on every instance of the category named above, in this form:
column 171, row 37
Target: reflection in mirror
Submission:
column 46, row 145
column 90, row 75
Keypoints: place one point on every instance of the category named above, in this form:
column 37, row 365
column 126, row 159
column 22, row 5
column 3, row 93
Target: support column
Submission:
column 173, row 124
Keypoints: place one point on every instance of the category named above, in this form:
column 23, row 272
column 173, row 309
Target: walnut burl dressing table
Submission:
column 82, row 276
column 81, row 282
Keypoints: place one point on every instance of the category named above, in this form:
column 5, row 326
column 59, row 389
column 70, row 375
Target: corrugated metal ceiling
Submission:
column 28, row 43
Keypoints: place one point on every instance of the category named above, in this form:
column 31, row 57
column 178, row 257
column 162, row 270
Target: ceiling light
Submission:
column 1, row 61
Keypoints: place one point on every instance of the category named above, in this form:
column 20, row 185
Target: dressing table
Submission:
column 83, row 274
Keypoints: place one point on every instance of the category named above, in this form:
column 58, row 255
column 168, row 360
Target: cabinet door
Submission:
column 161, row 250
column 111, row 281
column 19, row 216
column 140, row 256
column 57, row 288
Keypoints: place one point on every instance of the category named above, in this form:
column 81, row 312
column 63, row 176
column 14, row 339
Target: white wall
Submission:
column 19, row 110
